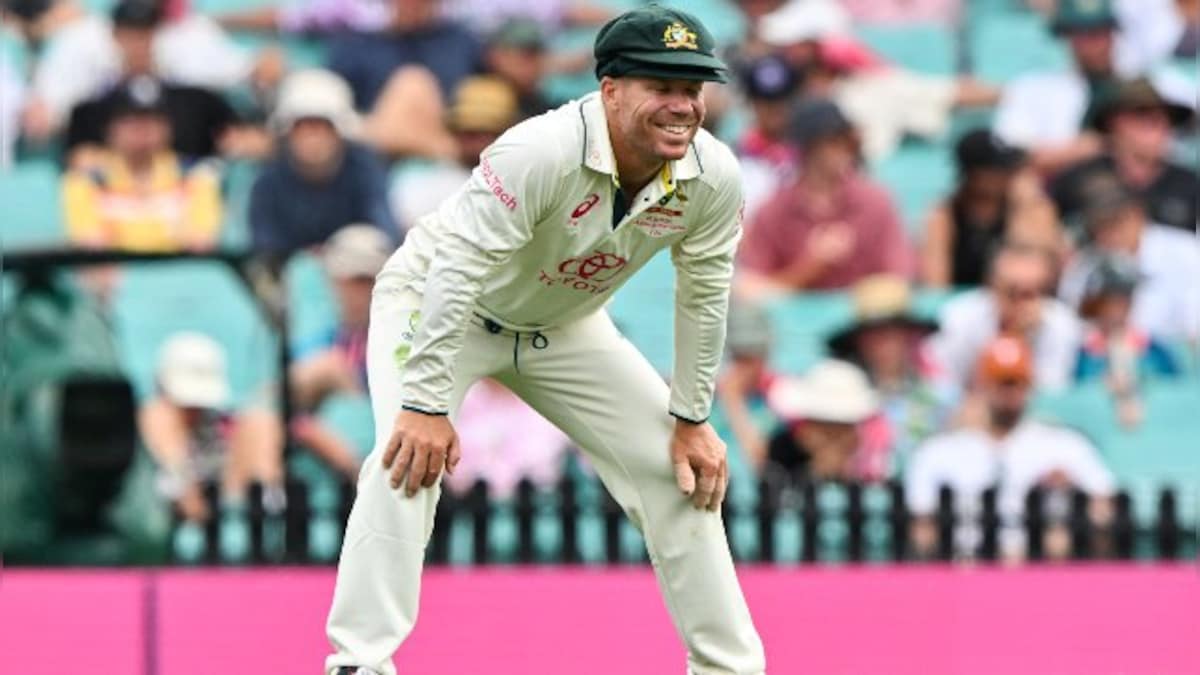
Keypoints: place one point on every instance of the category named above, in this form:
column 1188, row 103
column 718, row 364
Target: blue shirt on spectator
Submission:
column 289, row 212
column 367, row 60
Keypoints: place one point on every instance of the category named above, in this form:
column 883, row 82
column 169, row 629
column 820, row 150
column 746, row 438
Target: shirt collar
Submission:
column 598, row 154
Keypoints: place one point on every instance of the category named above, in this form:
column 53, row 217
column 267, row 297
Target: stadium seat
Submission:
column 32, row 208
column 918, row 175
column 928, row 49
column 1004, row 46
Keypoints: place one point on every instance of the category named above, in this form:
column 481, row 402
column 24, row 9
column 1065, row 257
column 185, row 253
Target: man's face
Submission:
column 1093, row 50
column 471, row 145
column 522, row 67
column 831, row 444
column 884, row 349
column 1144, row 133
column 1018, row 282
column 834, row 156
column 315, row 145
column 139, row 136
column 1006, row 398
column 354, row 299
column 771, row 117
column 987, row 187
column 1112, row 311
column 1122, row 232
column 136, row 46
column 658, row 117
column 413, row 14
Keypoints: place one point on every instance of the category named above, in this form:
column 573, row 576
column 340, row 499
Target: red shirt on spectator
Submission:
column 780, row 232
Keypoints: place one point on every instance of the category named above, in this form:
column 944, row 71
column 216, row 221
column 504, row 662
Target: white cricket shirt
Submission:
column 529, row 242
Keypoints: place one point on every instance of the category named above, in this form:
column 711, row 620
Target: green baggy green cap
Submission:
column 660, row 42
column 1082, row 15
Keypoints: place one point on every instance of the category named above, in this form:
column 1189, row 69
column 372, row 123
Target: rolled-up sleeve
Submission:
column 703, row 274
column 478, row 229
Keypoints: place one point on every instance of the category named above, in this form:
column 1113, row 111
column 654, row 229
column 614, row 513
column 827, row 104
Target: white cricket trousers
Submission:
column 593, row 384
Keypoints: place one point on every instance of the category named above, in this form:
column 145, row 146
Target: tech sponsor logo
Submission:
column 589, row 273
column 497, row 186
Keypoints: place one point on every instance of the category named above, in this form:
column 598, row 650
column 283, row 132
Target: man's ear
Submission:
column 608, row 89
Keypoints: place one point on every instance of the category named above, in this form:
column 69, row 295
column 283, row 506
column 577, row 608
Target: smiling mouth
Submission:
column 680, row 130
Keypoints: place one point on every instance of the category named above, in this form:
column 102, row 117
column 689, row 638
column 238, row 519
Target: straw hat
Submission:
column 879, row 300
column 831, row 391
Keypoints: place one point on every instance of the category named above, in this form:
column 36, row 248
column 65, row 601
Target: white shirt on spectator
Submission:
column 1149, row 32
column 12, row 97
column 1042, row 109
column 971, row 320
column 969, row 461
column 81, row 60
column 1166, row 303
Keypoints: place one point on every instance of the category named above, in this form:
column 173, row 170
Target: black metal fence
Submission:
column 578, row 523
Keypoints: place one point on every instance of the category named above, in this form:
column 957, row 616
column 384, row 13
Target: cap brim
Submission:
column 1061, row 28
column 841, row 344
column 682, row 65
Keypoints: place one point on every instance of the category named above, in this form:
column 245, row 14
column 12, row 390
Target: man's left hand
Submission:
column 701, row 469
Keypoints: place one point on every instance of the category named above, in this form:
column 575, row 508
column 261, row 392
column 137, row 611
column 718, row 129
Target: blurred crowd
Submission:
column 1069, row 237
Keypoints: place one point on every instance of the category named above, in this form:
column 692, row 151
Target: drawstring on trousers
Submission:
column 536, row 339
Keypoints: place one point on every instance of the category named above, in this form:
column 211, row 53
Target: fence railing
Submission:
column 576, row 522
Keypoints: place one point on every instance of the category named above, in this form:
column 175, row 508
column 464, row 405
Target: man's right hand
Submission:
column 420, row 447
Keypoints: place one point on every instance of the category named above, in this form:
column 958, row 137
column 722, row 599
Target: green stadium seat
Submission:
column 32, row 211
column 1005, row 46
column 926, row 49
column 918, row 175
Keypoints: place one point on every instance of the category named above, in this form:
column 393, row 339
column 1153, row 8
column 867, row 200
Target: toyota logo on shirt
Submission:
column 595, row 267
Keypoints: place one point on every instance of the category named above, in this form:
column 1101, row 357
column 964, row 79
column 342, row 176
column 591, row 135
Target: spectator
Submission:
column 142, row 196
column 516, row 53
column 188, row 429
column 885, row 102
column 822, row 438
column 904, row 12
column 1167, row 302
column 12, row 98
column 885, row 341
column 743, row 384
column 81, row 59
column 504, row 441
column 335, row 362
column 1010, row 449
column 485, row 16
column 1136, row 122
column 1014, row 303
column 1153, row 31
column 400, row 76
column 484, row 107
column 1113, row 348
column 320, row 180
column 769, row 158
column 830, row 227
column 1044, row 112
column 996, row 201
column 312, row 16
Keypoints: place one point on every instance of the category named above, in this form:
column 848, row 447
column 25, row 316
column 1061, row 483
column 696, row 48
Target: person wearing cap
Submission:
column 321, row 179
column 1137, row 123
column 508, row 279
column 141, row 196
column 1044, row 112
column 832, row 225
column 1010, row 450
column 822, row 437
column 996, row 201
column 484, row 107
column 1113, row 221
column 1113, row 349
column 742, row 417
column 885, row 339
column 195, row 435
column 769, row 158
column 516, row 53
column 1014, row 302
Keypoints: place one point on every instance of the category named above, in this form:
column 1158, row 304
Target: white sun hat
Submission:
column 316, row 93
column 191, row 371
column 831, row 391
column 803, row 20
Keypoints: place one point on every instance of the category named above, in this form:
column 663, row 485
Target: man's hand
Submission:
column 700, row 467
column 420, row 447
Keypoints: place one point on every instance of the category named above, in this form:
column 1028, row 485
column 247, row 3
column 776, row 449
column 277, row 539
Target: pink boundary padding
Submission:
column 534, row 621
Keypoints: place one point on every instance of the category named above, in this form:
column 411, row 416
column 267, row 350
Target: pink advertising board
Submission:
column 530, row 621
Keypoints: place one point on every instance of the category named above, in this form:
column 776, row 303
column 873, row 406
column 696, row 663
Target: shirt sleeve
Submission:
column 266, row 232
column 81, row 209
column 477, row 229
column 893, row 247
column 1086, row 469
column 920, row 483
column 203, row 206
column 703, row 274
